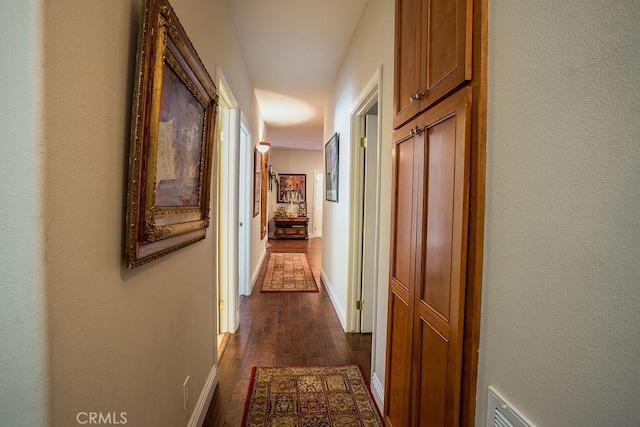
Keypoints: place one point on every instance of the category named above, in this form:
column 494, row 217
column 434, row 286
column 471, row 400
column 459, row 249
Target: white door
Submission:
column 369, row 267
column 244, row 209
column 318, row 199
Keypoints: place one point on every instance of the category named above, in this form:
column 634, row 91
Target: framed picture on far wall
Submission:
column 292, row 188
column 331, row 168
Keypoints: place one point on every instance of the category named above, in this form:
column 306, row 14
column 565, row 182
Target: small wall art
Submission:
column 331, row 155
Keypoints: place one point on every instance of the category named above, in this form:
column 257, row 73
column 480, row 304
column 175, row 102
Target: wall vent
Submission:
column 501, row 414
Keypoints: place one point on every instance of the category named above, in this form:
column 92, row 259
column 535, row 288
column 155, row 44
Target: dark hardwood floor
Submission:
column 280, row 329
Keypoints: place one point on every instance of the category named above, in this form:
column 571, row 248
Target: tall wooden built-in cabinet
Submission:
column 437, row 212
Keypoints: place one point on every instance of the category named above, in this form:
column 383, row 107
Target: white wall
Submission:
column 561, row 321
column 292, row 161
column 23, row 355
column 371, row 47
column 120, row 341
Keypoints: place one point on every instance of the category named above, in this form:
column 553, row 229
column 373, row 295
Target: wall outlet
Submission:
column 185, row 394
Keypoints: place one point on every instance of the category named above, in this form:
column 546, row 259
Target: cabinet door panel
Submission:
column 440, row 142
column 396, row 400
column 407, row 167
column 446, row 47
column 433, row 377
column 407, row 60
column 440, row 284
column 403, row 236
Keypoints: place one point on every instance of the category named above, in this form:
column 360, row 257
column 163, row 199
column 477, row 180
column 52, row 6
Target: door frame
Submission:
column 367, row 98
column 227, row 304
column 245, row 161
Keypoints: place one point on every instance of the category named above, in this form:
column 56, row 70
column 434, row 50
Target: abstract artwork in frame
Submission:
column 331, row 155
column 172, row 137
column 292, row 188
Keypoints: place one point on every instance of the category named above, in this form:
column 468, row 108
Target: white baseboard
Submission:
column 256, row 272
column 202, row 405
column 377, row 391
column 340, row 311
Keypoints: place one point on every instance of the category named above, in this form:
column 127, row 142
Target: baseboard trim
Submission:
column 377, row 390
column 202, row 405
column 256, row 272
column 340, row 311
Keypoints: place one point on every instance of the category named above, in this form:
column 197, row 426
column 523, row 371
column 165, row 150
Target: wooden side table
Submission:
column 291, row 228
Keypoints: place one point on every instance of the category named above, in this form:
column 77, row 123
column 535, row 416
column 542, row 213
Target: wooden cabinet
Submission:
column 433, row 53
column 291, row 228
column 430, row 206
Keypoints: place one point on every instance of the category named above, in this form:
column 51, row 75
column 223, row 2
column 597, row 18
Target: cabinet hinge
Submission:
column 359, row 305
column 221, row 304
column 363, row 142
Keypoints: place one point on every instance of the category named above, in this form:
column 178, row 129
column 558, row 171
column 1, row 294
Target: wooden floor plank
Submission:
column 283, row 329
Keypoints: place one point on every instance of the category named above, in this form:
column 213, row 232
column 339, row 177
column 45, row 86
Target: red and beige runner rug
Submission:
column 323, row 396
column 288, row 272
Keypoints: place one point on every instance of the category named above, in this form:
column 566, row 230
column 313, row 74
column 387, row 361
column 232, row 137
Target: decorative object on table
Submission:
column 172, row 137
column 291, row 226
column 292, row 188
column 288, row 272
column 310, row 395
column 302, row 209
column 257, row 181
column 331, row 156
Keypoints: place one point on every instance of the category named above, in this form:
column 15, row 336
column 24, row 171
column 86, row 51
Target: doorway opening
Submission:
column 364, row 211
column 228, row 234
column 244, row 208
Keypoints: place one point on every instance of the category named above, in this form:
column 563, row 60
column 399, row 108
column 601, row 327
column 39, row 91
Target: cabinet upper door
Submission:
column 407, row 60
column 446, row 47
column 433, row 53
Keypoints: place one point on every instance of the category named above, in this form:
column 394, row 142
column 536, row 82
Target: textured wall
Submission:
column 561, row 325
column 23, row 382
column 120, row 341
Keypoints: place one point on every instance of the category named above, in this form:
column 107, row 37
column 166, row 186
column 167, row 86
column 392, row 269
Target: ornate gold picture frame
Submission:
column 172, row 136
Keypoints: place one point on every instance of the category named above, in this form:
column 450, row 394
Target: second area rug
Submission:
column 288, row 272
column 310, row 396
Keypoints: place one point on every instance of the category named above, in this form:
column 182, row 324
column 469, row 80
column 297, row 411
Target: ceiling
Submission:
column 293, row 50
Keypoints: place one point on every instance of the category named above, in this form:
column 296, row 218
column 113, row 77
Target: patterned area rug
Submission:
column 288, row 272
column 322, row 396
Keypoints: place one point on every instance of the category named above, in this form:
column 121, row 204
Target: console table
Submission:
column 291, row 228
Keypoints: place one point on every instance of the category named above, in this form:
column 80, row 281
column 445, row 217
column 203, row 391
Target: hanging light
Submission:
column 264, row 145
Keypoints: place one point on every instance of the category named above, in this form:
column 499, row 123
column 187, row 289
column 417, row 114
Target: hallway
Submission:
column 299, row 329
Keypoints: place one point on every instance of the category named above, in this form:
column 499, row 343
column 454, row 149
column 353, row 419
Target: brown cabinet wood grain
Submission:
column 433, row 53
column 428, row 264
column 291, row 228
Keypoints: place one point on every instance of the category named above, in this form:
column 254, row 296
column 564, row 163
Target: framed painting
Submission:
column 172, row 136
column 257, row 181
column 331, row 155
column 292, row 188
